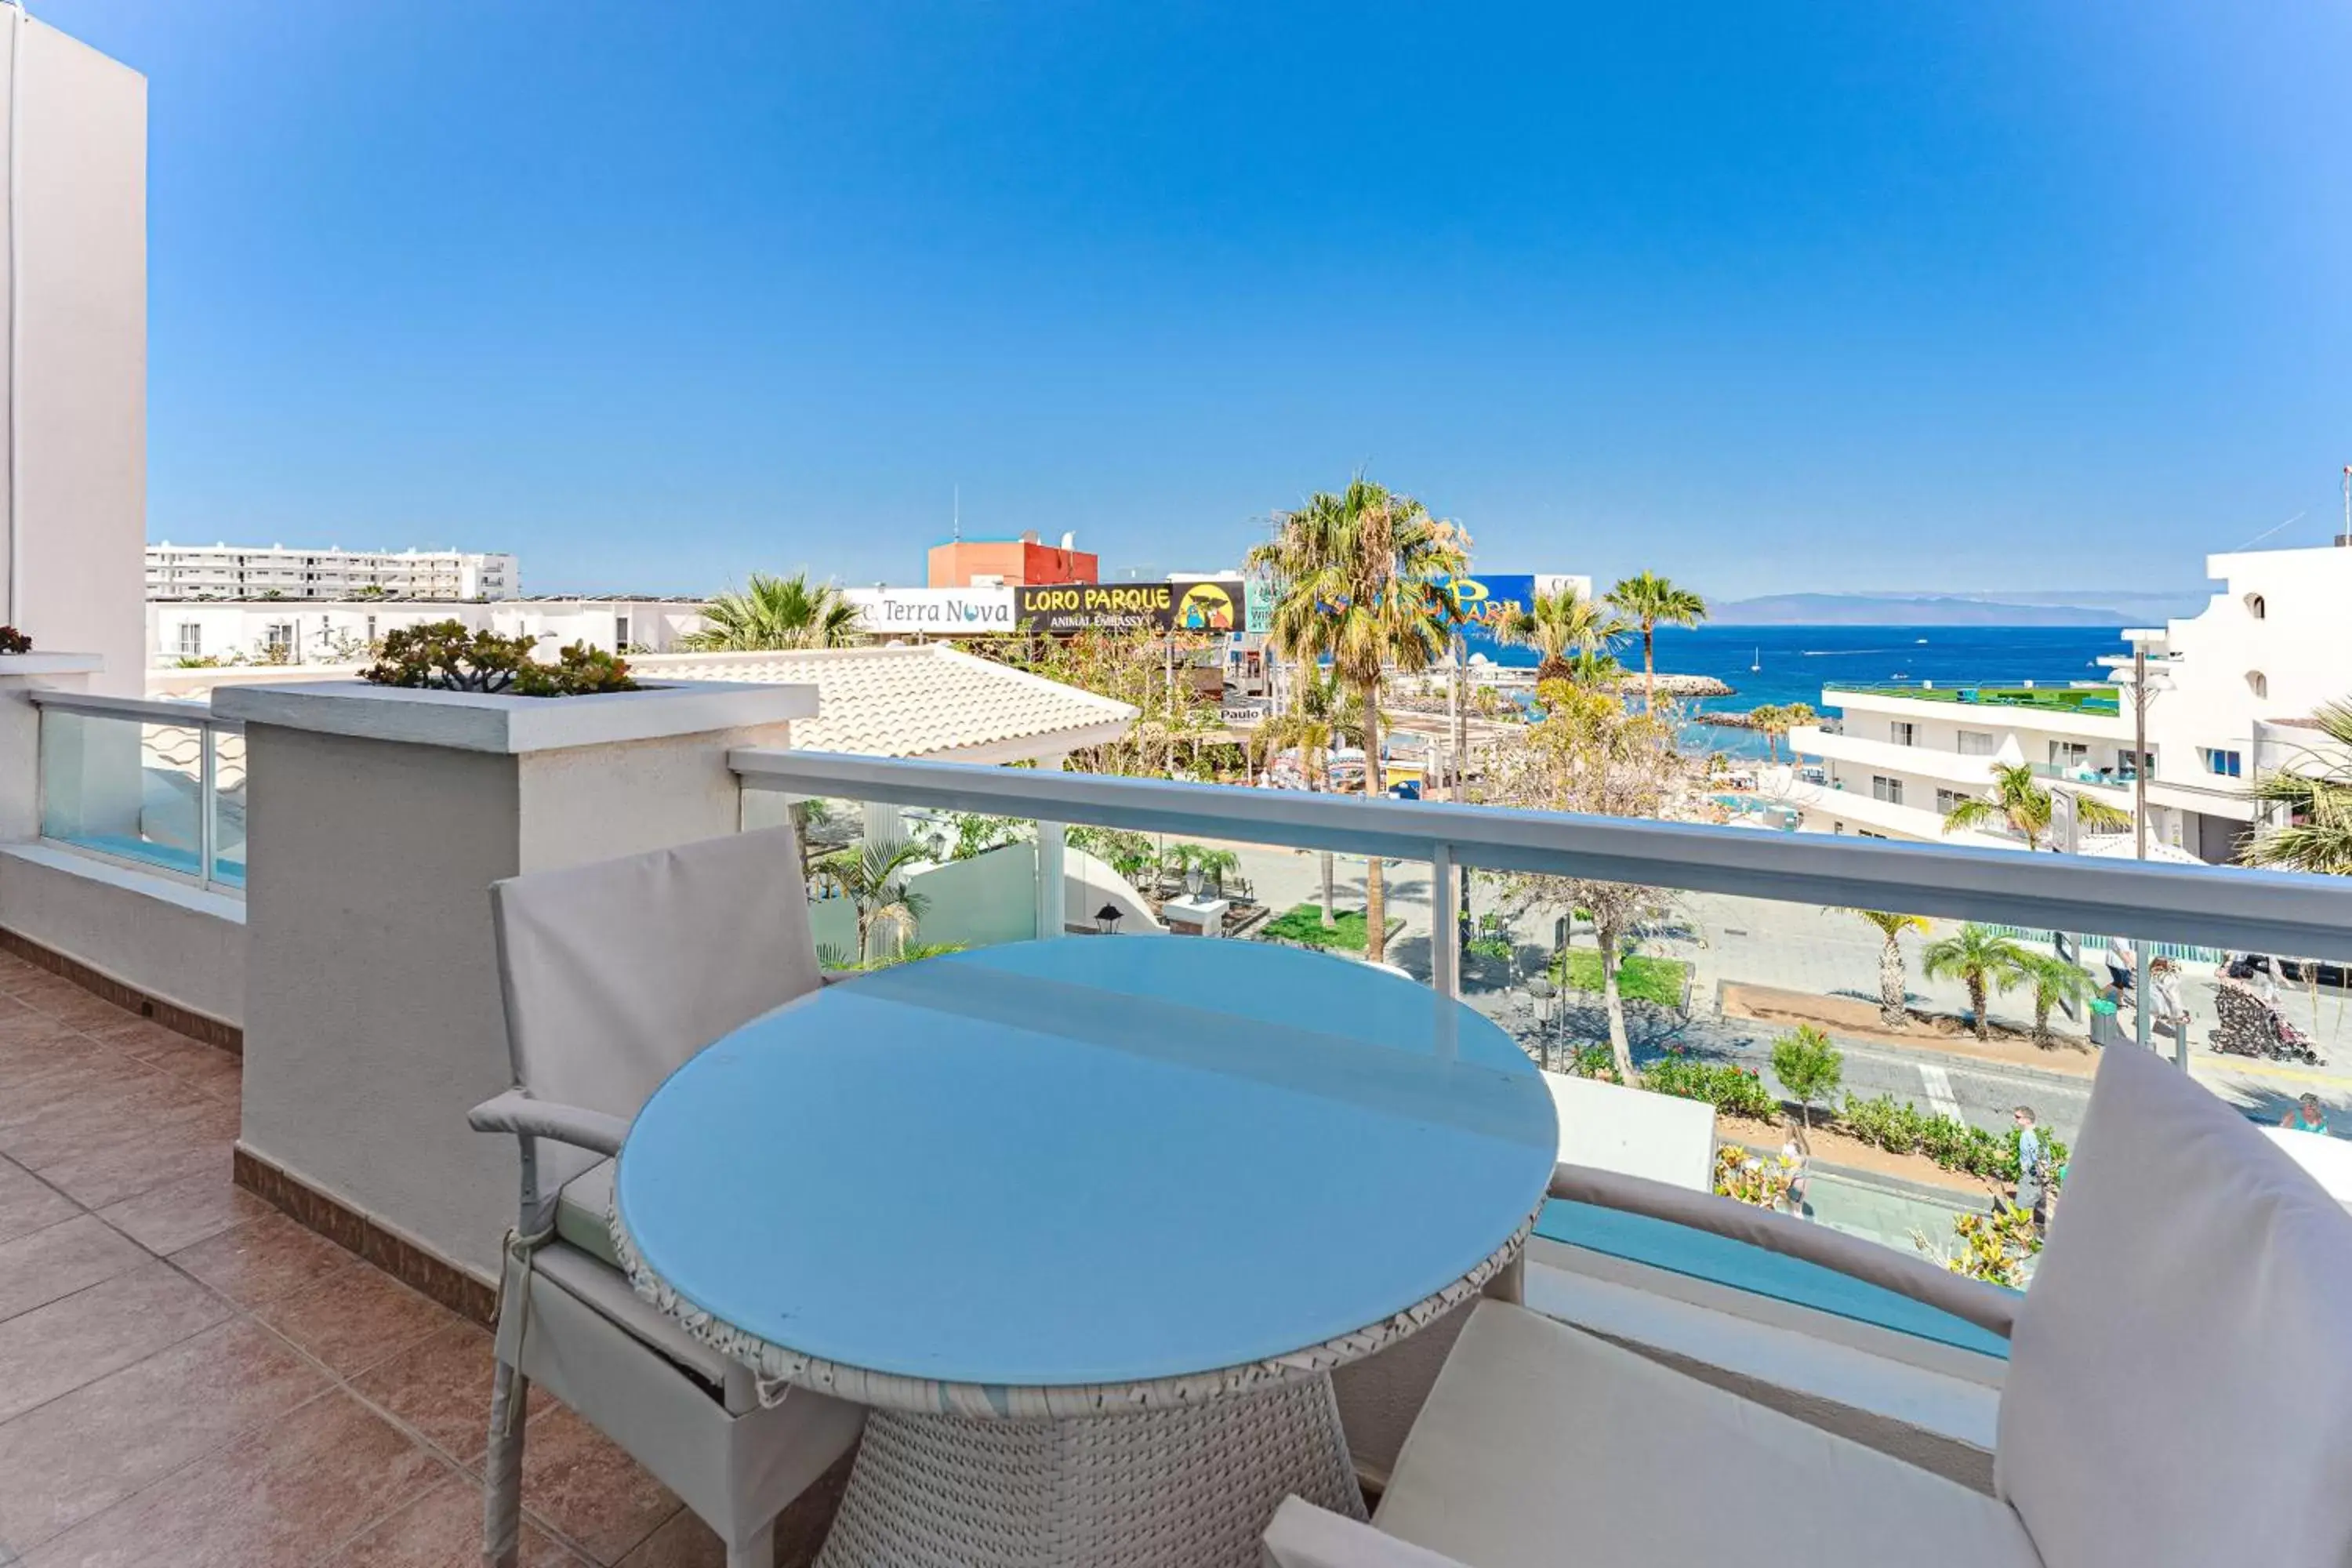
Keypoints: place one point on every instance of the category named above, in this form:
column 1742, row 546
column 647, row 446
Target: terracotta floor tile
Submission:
column 83, row 1009
column 56, row 1349
column 279, row 1497
column 682, row 1541
column 31, row 1044
column 585, row 1489
column 355, row 1318
column 443, row 1529
column 180, row 1146
column 117, row 1110
column 215, row 1071
column 441, row 1387
column 137, row 1036
column 262, row 1259
column 71, row 1255
column 28, row 1204
column 99, row 1072
column 77, row 1456
column 186, row 1212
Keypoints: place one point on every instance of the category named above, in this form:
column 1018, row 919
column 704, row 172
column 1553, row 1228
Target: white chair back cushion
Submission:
column 2180, row 1385
column 617, row 972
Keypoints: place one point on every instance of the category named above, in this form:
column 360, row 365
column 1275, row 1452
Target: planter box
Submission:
column 512, row 726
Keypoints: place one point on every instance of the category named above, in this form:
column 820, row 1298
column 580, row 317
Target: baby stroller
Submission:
column 2250, row 1027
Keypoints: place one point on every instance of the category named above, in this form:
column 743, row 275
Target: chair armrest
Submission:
column 1304, row 1536
column 517, row 1113
column 1988, row 1306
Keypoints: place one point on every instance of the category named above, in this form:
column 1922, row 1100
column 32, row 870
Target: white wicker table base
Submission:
column 1184, row 1485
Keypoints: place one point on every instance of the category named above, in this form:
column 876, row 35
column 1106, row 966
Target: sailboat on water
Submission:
column 1757, row 662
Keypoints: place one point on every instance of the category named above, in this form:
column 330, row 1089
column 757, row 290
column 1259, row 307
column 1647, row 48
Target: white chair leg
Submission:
column 502, row 1468
column 757, row 1550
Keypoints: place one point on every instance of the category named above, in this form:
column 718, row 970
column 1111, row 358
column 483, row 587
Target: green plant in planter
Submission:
column 14, row 641
column 443, row 655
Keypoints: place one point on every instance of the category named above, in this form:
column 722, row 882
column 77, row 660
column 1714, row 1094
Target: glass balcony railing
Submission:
column 158, row 783
column 2113, row 777
column 1727, row 946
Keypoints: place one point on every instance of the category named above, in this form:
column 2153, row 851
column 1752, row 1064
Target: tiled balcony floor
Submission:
column 188, row 1377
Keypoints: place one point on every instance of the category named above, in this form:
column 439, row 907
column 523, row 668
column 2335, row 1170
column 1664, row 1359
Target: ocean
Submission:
column 1797, row 661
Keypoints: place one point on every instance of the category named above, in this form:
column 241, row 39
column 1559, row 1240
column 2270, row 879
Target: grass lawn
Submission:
column 1638, row 979
column 1305, row 924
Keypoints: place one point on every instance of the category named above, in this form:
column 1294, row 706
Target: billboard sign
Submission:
column 1261, row 608
column 935, row 611
column 1484, row 602
column 1208, row 605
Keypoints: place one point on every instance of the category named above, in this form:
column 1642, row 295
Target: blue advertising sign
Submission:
column 1484, row 600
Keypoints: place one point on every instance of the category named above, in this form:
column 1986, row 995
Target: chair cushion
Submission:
column 581, row 1209
column 1542, row 1446
column 2180, row 1385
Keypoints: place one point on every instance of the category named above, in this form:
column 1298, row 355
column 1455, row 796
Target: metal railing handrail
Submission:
column 2240, row 910
column 149, row 709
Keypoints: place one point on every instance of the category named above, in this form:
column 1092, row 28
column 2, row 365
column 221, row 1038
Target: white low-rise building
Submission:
column 275, row 631
column 2226, row 690
column 253, row 571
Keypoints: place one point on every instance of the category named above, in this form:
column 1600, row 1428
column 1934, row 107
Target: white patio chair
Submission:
column 616, row 973
column 2179, row 1393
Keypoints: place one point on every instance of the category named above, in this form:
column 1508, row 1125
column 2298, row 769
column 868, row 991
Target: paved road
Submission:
column 1827, row 952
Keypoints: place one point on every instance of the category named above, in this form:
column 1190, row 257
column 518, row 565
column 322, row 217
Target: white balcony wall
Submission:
column 1856, row 754
column 76, row 502
column 376, row 822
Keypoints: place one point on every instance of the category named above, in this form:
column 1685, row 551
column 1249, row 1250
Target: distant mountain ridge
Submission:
column 2091, row 608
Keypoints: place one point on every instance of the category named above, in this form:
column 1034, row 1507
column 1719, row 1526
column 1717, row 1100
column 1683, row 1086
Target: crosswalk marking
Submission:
column 1939, row 1092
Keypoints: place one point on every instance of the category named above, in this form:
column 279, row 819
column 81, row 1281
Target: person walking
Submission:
column 2123, row 965
column 2164, row 982
column 2032, row 1167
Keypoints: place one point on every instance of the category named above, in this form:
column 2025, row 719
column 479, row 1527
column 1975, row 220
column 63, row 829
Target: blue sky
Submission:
column 1839, row 296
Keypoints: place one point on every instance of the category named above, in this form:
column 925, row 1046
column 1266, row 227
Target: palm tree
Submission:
column 1561, row 626
column 1649, row 602
column 1319, row 716
column 2053, row 980
column 1359, row 581
column 1772, row 718
column 1890, row 928
column 2310, row 809
column 1980, row 958
column 872, row 876
column 1595, row 672
column 775, row 612
column 2017, row 800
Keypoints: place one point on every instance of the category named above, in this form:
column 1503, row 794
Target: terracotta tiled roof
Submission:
column 915, row 700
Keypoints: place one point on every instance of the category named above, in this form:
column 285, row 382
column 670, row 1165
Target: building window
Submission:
column 1976, row 743
column 371, row 631
column 1902, row 733
column 1947, row 800
column 278, row 637
column 1886, row 789
column 2222, row 764
column 2258, row 683
column 2129, row 763
column 620, row 634
column 2256, row 607
column 2068, row 754
column 192, row 641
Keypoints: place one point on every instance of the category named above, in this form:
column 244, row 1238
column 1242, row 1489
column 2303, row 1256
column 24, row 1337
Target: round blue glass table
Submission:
column 1088, row 1222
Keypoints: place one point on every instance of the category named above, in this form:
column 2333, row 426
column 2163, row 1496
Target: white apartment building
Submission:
column 2228, row 689
column 293, row 631
column 254, row 571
